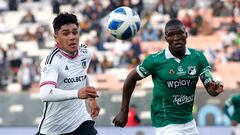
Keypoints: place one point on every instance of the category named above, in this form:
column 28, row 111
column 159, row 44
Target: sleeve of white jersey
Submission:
column 49, row 75
column 48, row 93
column 48, row 82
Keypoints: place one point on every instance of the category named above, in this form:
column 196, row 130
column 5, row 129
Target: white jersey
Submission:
column 66, row 73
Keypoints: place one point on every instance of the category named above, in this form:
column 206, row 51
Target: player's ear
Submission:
column 165, row 36
column 55, row 34
column 55, row 37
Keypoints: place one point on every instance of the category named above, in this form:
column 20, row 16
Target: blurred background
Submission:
column 26, row 36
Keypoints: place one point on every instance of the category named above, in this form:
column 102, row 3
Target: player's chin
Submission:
column 94, row 115
column 179, row 47
column 73, row 48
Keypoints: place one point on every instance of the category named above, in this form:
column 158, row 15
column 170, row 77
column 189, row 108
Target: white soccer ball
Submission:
column 123, row 23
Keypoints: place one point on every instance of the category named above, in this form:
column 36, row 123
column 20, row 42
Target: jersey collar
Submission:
column 68, row 55
column 169, row 55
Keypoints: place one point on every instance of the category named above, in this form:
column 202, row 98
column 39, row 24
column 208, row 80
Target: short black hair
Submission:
column 62, row 19
column 172, row 22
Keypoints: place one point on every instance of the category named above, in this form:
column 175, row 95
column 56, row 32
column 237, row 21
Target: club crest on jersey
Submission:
column 84, row 63
column 192, row 70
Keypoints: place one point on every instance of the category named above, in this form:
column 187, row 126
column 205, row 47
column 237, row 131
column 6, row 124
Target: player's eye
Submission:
column 178, row 33
column 65, row 33
column 75, row 32
column 169, row 34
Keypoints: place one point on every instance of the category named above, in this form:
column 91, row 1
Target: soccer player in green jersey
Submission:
column 234, row 101
column 175, row 72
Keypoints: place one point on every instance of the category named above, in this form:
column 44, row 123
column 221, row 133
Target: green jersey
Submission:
column 174, row 83
column 235, row 102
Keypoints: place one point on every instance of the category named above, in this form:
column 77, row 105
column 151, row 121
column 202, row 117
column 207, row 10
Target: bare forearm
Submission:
column 128, row 89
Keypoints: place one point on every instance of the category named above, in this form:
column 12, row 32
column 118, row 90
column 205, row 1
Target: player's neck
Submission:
column 178, row 54
column 68, row 53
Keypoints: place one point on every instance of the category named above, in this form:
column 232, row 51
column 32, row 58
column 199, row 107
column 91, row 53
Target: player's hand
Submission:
column 87, row 92
column 121, row 119
column 94, row 107
column 216, row 86
column 234, row 123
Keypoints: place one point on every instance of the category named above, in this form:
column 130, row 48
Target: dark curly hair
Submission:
column 62, row 19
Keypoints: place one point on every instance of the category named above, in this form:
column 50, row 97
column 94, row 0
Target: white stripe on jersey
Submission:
column 67, row 73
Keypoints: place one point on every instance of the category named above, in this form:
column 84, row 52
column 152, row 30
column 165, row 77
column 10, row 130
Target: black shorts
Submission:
column 86, row 128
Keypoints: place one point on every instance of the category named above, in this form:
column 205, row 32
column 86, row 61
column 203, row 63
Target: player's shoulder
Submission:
column 51, row 58
column 157, row 57
column 194, row 50
column 159, row 54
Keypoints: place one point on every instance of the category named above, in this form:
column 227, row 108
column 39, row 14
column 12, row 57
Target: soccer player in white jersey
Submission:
column 64, row 83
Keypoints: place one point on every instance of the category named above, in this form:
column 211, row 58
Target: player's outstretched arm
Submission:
column 121, row 118
column 48, row 93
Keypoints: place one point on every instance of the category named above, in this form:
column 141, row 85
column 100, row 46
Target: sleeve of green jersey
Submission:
column 145, row 68
column 205, row 69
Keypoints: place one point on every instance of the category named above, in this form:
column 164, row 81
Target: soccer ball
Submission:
column 123, row 23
